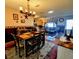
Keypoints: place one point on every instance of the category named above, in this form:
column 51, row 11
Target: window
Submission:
column 69, row 24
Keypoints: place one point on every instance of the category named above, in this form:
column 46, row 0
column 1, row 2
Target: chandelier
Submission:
column 27, row 12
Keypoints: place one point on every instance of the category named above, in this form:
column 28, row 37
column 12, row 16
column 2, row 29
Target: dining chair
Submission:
column 33, row 46
column 42, row 39
column 18, row 45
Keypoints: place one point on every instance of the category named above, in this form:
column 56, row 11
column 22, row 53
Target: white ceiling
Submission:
column 43, row 6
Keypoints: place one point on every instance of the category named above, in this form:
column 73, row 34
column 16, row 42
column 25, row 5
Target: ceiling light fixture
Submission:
column 27, row 11
column 50, row 11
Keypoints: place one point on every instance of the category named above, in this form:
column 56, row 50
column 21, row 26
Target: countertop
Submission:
column 67, row 44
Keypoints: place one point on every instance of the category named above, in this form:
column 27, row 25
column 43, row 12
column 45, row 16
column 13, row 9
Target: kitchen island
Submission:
column 65, row 49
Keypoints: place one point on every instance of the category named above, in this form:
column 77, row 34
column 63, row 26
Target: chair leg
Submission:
column 19, row 50
column 38, row 53
column 16, row 50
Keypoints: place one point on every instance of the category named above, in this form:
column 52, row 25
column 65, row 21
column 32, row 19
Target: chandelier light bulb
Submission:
column 30, row 11
column 26, row 10
column 34, row 12
column 21, row 8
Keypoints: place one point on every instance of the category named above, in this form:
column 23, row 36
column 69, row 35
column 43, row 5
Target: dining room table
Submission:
column 25, row 37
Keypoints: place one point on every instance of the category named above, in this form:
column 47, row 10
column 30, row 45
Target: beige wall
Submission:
column 9, row 18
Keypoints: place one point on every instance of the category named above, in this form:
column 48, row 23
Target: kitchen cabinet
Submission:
column 64, row 53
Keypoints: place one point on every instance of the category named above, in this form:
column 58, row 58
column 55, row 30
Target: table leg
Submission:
column 19, row 49
column 24, row 49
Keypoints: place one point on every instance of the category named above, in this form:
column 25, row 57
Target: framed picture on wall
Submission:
column 15, row 16
column 22, row 21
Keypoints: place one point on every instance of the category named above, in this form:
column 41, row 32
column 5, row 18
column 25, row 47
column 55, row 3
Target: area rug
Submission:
column 52, row 54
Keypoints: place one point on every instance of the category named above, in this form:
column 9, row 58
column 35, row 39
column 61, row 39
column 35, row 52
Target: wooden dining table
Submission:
column 26, row 36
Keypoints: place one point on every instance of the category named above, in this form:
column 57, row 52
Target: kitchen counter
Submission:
column 65, row 49
column 67, row 44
